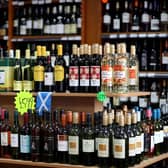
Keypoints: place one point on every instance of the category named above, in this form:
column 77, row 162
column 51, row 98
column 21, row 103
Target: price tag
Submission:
column 48, row 1
column 21, row 3
column 151, row 35
column 122, row 35
column 133, row 35
column 142, row 35
column 77, row 38
column 113, row 36
column 141, row 74
column 24, row 101
column 162, row 35
column 63, row 38
column 151, row 75
column 34, row 2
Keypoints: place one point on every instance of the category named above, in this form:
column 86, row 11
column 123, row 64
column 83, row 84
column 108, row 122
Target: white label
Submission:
column 116, row 24
column 73, row 76
column 48, row 1
column 23, row 30
column 48, row 78
column 24, row 143
column 143, row 102
column 79, row 22
column 88, row 145
column 125, row 17
column 134, row 98
column 152, row 144
column 95, row 75
column 145, row 18
column 135, row 28
column 35, row 24
column 142, row 142
column 154, row 24
column 84, row 75
column 47, row 29
column 73, row 28
column 165, row 129
column 4, row 139
column 106, row 19
column 54, row 29
column 138, row 144
column 14, row 140
column 165, row 58
column 35, row 2
column 16, row 22
column 73, row 145
column 161, row 139
column 63, row 146
column 119, row 148
column 132, row 146
column 29, row 24
column 103, row 147
column 154, row 97
column 164, row 17
column 40, row 23
column 2, row 77
column 60, row 29
column 67, row 29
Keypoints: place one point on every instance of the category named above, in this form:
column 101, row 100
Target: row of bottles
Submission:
column 121, row 137
column 47, row 20
column 135, row 15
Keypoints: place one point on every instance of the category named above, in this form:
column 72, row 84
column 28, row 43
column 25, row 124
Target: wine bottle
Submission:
column 29, row 21
column 23, row 30
column 74, row 141
column 47, row 22
column 40, row 20
column 165, row 56
column 144, row 57
column 16, row 21
column 164, row 16
column 73, row 23
column 54, row 20
column 53, row 54
column 15, row 131
column 59, row 71
column 69, row 120
column 67, row 20
column 35, row 21
column 25, row 138
column 60, row 20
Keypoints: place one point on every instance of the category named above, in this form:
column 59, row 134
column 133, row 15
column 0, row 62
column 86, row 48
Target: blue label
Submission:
column 25, row 143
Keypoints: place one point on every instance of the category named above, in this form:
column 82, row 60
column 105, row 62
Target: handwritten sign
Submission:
column 24, row 101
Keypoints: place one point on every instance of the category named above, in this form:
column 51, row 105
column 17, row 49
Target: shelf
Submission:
column 124, row 35
column 46, row 38
column 85, row 94
column 154, row 74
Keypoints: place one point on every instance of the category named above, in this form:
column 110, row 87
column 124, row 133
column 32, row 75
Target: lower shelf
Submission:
column 21, row 163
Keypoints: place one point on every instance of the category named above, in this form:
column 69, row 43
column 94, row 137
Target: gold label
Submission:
column 39, row 73
column 59, row 73
column 27, row 85
column 17, row 85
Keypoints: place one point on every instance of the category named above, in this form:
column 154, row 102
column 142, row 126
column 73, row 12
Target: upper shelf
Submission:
column 123, row 35
column 66, row 37
column 129, row 94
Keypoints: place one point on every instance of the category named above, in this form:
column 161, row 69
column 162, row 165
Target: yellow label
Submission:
column 27, row 85
column 17, row 85
column 39, row 73
column 59, row 73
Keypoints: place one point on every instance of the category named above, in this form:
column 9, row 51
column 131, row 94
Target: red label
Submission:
column 84, row 75
column 73, row 72
column 95, row 72
column 132, row 73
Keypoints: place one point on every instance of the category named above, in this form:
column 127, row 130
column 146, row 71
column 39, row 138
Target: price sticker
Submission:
column 23, row 101
column 101, row 96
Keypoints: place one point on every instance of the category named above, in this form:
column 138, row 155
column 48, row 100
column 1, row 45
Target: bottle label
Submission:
column 154, row 97
column 73, row 145
column 132, row 146
column 79, row 25
column 142, row 142
column 67, row 28
column 165, row 129
column 95, row 75
column 73, row 28
column 161, row 139
column 60, row 28
column 143, row 102
column 29, row 24
column 17, row 85
column 88, row 145
column 134, row 98
column 40, row 23
column 38, row 73
column 2, row 76
column 47, row 29
column 165, row 58
column 14, row 140
column 152, row 144
column 59, row 73
column 154, row 24
column 62, row 143
column 133, row 76
column 103, row 147
column 35, row 144
column 119, row 148
column 24, row 143
column 156, row 137
column 54, row 29
column 106, row 19
column 145, row 18
column 35, row 24
column 97, row 142
column 116, row 24
column 16, row 23
column 138, row 144
column 27, row 85
column 48, row 78
column 135, row 28
column 73, row 76
column 107, row 75
column 84, row 75
column 164, row 17
column 147, row 142
column 125, row 17
column 4, row 138
column 23, row 30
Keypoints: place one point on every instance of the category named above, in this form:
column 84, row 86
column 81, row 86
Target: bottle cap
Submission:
column 59, row 50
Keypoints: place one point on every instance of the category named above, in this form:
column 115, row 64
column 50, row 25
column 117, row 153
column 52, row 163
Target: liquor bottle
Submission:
column 48, row 76
column 16, row 21
column 164, row 65
column 164, row 16
column 84, row 67
column 126, row 18
column 35, row 21
column 5, row 136
column 107, row 70
column 119, row 144
column 74, row 70
column 62, row 139
column 35, row 139
column 25, row 138
column 29, row 21
column 116, row 18
column 17, row 81
column 47, row 22
column 88, row 143
column 144, row 57
column 145, row 17
column 121, row 67
column 15, row 137
column 74, row 141
column 39, row 71
column 54, row 20
column 135, row 16
column 48, row 149
column 23, row 30
column 133, row 70
column 106, row 19
column 60, row 20
column 131, row 141
column 95, row 69
column 27, row 72
column 59, row 71
column 103, row 146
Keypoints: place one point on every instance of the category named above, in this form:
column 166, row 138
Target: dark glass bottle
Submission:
column 59, row 71
column 29, row 21
column 74, row 141
column 25, row 138
column 69, row 120
column 40, row 20
column 39, row 72
column 67, row 20
column 35, row 21
column 60, row 20
column 5, row 136
column 53, row 54
column 54, row 20
column 144, row 57
column 35, row 139
column 47, row 22
column 22, row 24
column 165, row 129
column 15, row 131
column 62, row 139
column 16, row 22
column 164, row 66
column 88, row 143
column 164, row 16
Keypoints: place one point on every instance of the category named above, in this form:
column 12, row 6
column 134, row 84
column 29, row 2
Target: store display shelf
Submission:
column 123, row 35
